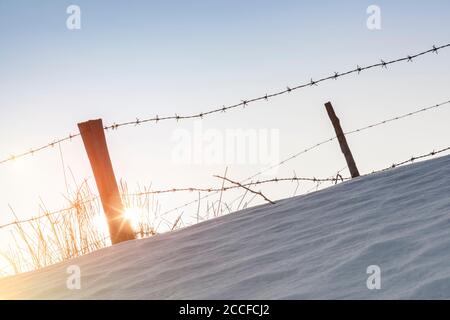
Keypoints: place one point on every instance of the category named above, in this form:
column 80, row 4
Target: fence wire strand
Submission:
column 243, row 103
column 50, row 213
column 266, row 97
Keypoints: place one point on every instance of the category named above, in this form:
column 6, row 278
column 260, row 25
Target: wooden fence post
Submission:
column 93, row 135
column 342, row 141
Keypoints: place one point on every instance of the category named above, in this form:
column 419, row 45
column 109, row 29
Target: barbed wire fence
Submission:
column 294, row 178
column 243, row 183
column 313, row 147
column 291, row 157
column 249, row 183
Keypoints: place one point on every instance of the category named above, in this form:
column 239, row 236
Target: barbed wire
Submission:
column 374, row 125
column 338, row 174
column 31, row 152
column 284, row 179
column 213, row 191
column 243, row 103
column 49, row 214
column 258, row 182
column 296, row 155
column 398, row 117
column 243, row 184
column 412, row 159
column 193, row 189
column 266, row 97
column 338, row 177
column 292, row 179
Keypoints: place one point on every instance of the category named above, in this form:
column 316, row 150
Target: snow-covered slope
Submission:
column 314, row 246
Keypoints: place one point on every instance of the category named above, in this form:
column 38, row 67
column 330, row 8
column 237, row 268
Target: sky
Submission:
column 138, row 59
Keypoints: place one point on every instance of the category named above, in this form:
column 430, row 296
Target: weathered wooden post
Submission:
column 342, row 141
column 94, row 140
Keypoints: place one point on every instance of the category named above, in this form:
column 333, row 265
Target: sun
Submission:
column 132, row 216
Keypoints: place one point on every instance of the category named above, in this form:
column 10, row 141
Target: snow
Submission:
column 316, row 246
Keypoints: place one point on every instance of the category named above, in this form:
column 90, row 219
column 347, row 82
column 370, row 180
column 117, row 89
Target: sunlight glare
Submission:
column 132, row 216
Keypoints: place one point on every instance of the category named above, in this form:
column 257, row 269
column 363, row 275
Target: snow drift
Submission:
column 316, row 246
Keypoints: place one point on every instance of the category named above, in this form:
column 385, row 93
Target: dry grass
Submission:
column 75, row 231
column 57, row 236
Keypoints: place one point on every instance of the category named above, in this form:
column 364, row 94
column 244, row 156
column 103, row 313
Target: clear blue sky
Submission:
column 141, row 58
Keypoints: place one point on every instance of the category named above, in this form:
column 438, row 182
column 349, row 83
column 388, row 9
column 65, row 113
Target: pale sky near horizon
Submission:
column 136, row 59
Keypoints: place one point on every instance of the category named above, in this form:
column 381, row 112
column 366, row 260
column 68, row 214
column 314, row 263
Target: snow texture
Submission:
column 316, row 246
